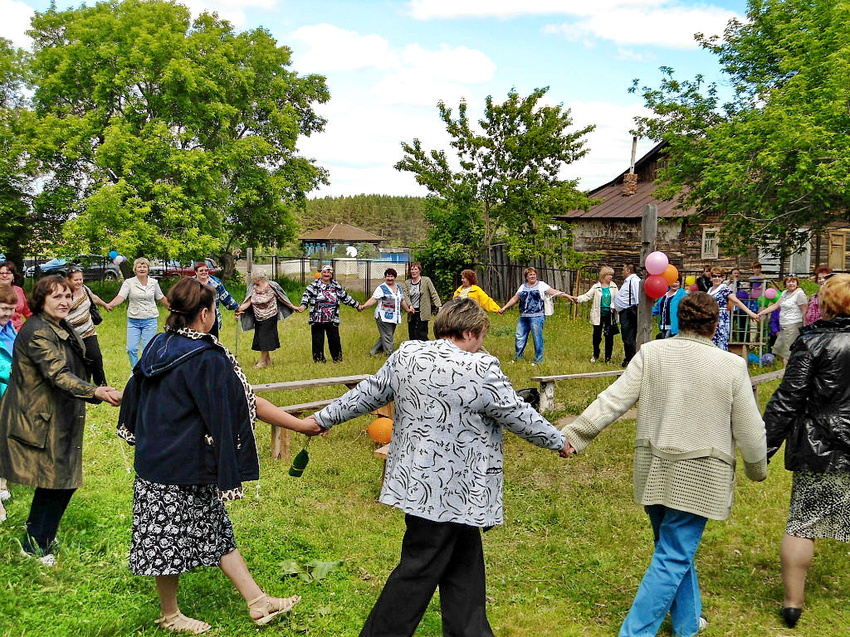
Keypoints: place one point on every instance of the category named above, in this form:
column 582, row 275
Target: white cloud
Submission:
column 449, row 9
column 329, row 48
column 666, row 27
column 15, row 23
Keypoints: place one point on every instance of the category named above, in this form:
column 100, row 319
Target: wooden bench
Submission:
column 547, row 384
column 280, row 435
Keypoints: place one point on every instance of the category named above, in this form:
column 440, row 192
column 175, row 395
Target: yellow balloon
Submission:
column 690, row 279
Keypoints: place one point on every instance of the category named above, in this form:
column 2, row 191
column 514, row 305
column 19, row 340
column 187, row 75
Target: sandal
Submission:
column 178, row 623
column 271, row 607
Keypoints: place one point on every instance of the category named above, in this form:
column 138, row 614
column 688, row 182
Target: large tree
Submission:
column 504, row 183
column 165, row 136
column 775, row 158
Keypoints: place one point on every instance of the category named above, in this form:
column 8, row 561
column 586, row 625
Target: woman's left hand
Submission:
column 109, row 394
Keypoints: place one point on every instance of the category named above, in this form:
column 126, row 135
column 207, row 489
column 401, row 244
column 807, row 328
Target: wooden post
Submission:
column 649, row 231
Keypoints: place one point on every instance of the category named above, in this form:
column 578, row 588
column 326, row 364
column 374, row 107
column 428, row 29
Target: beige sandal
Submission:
column 271, row 607
column 178, row 623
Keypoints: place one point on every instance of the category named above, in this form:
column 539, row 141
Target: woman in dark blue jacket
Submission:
column 190, row 412
column 810, row 413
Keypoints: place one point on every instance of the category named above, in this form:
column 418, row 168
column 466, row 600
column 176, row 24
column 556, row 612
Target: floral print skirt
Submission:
column 177, row 528
column 820, row 505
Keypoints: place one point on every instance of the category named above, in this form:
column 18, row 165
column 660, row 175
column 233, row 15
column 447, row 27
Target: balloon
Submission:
column 753, row 359
column 656, row 262
column 762, row 301
column 690, row 280
column 670, row 274
column 694, row 287
column 767, row 360
column 770, row 293
column 655, row 286
column 116, row 260
column 113, row 254
column 742, row 294
column 122, row 257
column 381, row 430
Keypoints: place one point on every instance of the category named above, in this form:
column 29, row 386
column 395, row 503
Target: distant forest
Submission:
column 400, row 220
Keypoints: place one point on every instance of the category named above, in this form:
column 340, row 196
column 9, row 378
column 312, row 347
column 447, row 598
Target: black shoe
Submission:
column 791, row 616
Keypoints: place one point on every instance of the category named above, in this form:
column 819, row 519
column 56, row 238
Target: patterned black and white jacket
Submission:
column 451, row 407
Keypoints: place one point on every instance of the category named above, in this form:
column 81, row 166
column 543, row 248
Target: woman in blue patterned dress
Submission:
column 723, row 294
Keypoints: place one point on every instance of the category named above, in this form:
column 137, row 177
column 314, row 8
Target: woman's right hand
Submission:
column 109, row 395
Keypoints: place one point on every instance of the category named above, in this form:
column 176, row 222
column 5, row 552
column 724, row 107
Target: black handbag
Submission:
column 96, row 318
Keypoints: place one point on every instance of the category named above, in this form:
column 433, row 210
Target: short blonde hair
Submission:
column 834, row 296
column 140, row 261
column 717, row 272
column 605, row 270
column 459, row 316
column 258, row 274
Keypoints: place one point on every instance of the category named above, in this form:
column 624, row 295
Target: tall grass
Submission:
column 567, row 561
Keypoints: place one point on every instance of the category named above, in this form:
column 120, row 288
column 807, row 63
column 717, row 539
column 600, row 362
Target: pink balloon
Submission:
column 656, row 262
column 770, row 293
column 117, row 260
column 694, row 288
column 655, row 286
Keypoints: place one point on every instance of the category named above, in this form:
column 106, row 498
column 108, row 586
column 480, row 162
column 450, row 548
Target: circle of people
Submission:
column 190, row 412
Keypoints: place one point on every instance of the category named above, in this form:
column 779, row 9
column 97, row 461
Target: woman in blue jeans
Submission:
column 530, row 297
column 142, row 292
column 684, row 464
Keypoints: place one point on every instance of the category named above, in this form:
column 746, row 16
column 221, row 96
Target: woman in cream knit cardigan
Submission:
column 684, row 464
column 602, row 314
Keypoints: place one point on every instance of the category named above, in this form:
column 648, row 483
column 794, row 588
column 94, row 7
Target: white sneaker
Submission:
column 48, row 560
column 703, row 623
column 593, row 360
column 5, row 494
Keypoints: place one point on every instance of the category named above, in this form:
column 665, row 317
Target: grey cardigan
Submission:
column 429, row 300
column 451, row 407
column 283, row 310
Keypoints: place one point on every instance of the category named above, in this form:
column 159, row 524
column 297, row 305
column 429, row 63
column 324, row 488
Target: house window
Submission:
column 710, row 248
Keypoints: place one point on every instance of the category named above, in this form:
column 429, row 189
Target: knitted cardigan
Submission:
column 696, row 405
column 595, row 293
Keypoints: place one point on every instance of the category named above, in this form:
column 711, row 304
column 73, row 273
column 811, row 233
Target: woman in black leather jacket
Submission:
column 810, row 412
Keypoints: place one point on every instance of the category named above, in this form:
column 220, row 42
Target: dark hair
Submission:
column 10, row 266
column 199, row 264
column 44, row 288
column 470, row 276
column 186, row 299
column 631, row 266
column 8, row 296
column 73, row 271
column 390, row 272
column 459, row 316
column 698, row 313
column 823, row 270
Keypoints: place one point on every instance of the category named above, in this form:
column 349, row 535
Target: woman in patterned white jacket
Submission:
column 444, row 466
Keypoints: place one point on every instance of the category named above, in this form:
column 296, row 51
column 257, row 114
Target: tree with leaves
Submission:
column 163, row 136
column 503, row 186
column 775, row 159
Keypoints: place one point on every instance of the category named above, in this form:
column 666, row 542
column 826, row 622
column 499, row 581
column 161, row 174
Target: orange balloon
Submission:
column 381, row 430
column 670, row 274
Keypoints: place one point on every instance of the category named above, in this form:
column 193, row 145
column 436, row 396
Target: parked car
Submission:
column 175, row 268
column 95, row 267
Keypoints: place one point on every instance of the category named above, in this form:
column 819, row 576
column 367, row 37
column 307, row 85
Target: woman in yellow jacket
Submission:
column 469, row 289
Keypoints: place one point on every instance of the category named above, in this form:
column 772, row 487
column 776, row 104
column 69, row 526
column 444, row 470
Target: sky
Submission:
column 388, row 63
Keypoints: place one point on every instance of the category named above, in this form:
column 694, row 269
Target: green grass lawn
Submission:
column 566, row 562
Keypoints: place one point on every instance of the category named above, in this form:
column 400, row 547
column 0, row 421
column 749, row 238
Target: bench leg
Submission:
column 547, row 396
column 280, row 443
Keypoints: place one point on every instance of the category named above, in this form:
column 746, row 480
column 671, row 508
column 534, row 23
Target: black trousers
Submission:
column 598, row 331
column 434, row 554
column 93, row 353
column 46, row 511
column 628, row 328
column 417, row 329
column 318, row 331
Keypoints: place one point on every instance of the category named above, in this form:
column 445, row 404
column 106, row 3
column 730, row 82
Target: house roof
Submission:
column 616, row 205
column 342, row 233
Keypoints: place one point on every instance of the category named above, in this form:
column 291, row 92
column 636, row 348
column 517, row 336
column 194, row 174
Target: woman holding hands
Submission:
column 602, row 314
column 190, row 412
column 530, row 297
column 390, row 300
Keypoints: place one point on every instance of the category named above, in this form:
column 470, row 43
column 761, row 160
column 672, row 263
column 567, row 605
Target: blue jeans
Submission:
column 139, row 334
column 533, row 324
column 670, row 583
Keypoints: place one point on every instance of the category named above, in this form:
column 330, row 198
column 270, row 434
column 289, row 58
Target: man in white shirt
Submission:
column 626, row 304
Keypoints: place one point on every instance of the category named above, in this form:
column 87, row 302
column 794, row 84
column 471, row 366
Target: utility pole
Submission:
column 649, row 232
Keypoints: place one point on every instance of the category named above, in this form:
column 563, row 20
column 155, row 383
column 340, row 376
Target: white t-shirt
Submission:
column 141, row 298
column 531, row 298
column 388, row 307
column 789, row 307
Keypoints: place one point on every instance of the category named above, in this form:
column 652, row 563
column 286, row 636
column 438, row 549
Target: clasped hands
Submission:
column 109, row 395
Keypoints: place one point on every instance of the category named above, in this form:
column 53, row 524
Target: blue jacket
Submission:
column 188, row 412
column 674, row 309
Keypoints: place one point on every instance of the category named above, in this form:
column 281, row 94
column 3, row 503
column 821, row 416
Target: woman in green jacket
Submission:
column 43, row 413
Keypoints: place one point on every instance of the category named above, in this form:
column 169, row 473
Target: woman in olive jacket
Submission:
column 810, row 413
column 43, row 413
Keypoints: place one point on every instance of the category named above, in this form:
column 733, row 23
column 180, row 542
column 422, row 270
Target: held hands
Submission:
column 567, row 451
column 311, row 427
column 109, row 394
